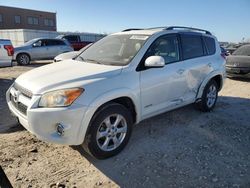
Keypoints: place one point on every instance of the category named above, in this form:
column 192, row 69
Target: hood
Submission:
column 65, row 74
column 238, row 61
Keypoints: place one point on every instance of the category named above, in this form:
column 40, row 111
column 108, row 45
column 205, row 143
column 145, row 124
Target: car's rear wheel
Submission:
column 109, row 131
column 23, row 59
column 209, row 97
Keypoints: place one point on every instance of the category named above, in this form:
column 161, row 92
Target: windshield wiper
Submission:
column 82, row 59
column 92, row 60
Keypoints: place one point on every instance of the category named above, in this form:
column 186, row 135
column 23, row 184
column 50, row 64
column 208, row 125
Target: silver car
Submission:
column 40, row 49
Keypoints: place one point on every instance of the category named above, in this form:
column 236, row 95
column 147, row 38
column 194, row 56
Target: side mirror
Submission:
column 155, row 61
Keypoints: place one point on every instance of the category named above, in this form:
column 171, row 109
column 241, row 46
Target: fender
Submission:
column 206, row 80
column 102, row 99
column 22, row 52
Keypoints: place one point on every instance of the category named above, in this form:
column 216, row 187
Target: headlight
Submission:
column 60, row 98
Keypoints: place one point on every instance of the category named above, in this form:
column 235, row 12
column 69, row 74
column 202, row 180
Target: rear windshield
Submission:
column 243, row 50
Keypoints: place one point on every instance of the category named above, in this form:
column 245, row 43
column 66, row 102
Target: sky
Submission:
column 229, row 20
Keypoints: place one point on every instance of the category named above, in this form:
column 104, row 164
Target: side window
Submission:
column 37, row 43
column 59, row 42
column 166, row 47
column 71, row 38
column 210, row 44
column 191, row 46
column 46, row 43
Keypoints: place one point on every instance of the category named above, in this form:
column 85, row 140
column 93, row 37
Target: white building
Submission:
column 20, row 36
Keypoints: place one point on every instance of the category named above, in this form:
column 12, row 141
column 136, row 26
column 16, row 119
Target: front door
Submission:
column 163, row 88
column 40, row 50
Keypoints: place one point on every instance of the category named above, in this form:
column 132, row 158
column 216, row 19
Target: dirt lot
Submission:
column 181, row 148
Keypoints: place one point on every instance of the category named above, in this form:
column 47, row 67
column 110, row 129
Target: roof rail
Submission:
column 163, row 27
column 131, row 29
column 190, row 28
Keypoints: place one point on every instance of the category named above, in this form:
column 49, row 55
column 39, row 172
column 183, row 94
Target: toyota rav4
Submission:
column 95, row 99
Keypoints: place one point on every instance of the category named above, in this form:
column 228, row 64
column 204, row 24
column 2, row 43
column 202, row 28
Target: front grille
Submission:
column 24, row 91
column 18, row 105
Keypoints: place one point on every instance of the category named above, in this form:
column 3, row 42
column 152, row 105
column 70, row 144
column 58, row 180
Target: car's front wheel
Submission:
column 109, row 131
column 23, row 59
column 209, row 97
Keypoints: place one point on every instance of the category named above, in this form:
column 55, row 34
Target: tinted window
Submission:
column 54, row 42
column 71, row 38
column 191, row 46
column 59, row 42
column 210, row 44
column 46, row 42
column 166, row 47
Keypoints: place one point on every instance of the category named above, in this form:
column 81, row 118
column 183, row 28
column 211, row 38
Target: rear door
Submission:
column 197, row 64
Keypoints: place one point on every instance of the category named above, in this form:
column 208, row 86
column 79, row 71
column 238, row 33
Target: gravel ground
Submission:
column 181, row 148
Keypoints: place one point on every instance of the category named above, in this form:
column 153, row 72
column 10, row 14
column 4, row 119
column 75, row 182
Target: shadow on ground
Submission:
column 186, row 147
column 6, row 121
column 241, row 79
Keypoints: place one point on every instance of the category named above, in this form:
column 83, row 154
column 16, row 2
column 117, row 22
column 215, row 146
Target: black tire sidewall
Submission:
column 203, row 106
column 18, row 59
column 98, row 118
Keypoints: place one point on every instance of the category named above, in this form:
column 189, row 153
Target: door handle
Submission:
column 180, row 71
column 209, row 64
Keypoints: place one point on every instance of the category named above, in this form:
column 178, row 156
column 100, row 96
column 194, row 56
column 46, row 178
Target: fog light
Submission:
column 60, row 129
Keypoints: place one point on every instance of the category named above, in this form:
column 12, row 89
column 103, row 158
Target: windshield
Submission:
column 243, row 50
column 114, row 50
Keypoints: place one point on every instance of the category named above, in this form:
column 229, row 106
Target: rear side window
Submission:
column 71, row 38
column 55, row 42
column 210, row 44
column 191, row 46
column 59, row 42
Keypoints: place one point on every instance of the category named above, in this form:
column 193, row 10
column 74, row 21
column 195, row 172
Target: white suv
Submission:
column 126, row 77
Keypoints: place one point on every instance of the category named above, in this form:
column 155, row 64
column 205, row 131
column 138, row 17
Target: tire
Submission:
column 23, row 59
column 101, row 137
column 209, row 97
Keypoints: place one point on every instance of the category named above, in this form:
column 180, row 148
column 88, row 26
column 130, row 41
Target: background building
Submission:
column 19, row 18
column 20, row 36
column 21, row 25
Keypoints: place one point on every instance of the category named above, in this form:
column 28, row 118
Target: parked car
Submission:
column 6, row 52
column 120, row 80
column 40, row 49
column 75, row 41
column 238, row 64
column 70, row 55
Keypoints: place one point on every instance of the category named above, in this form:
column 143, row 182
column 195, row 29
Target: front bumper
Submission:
column 42, row 122
column 237, row 71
